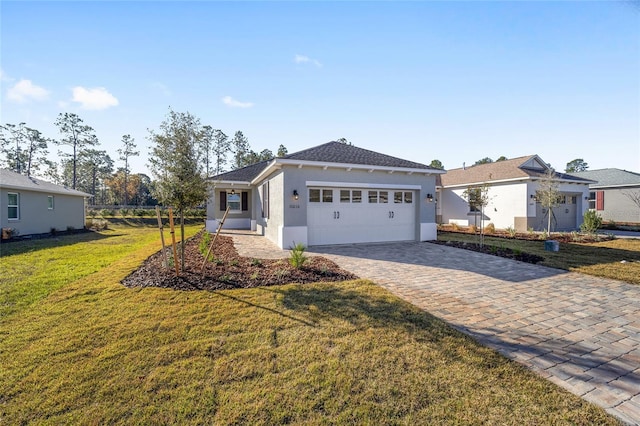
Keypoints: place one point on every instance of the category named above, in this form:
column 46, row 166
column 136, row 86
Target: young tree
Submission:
column 76, row 135
column 548, row 194
column 175, row 162
column 634, row 196
column 478, row 198
column 282, row 151
column 128, row 150
column 577, row 165
column 436, row 164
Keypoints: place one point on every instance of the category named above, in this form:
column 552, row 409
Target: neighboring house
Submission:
column 33, row 206
column 612, row 193
column 512, row 186
column 333, row 193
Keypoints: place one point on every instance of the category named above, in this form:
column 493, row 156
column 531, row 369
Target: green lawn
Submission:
column 84, row 349
column 618, row 259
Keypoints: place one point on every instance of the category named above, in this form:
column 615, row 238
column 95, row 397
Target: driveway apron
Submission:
column 578, row 331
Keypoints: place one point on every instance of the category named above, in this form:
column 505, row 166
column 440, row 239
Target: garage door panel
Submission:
column 370, row 219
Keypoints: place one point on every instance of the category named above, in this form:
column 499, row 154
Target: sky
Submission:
column 454, row 81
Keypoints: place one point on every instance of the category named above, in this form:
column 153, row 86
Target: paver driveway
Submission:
column 580, row 332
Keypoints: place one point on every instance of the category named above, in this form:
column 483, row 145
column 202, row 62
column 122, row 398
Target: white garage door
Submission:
column 354, row 215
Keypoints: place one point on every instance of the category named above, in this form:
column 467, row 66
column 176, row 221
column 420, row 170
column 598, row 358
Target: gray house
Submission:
column 33, row 206
column 329, row 194
column 613, row 193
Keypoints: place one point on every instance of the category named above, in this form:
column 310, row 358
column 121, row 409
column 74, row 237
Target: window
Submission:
column 384, row 197
column 13, row 212
column 50, row 202
column 324, row 195
column 233, row 201
column 314, row 195
column 373, row 197
column 265, row 200
column 397, row 197
column 345, row 196
column 408, row 197
column 592, row 200
column 475, row 199
column 356, row 196
column 573, row 199
column 562, row 199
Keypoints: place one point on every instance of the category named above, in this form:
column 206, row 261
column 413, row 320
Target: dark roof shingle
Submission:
column 331, row 152
column 337, row 152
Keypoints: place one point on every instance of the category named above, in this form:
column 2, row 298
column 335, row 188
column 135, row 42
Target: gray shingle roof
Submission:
column 13, row 180
column 245, row 174
column 609, row 177
column 337, row 152
column 331, row 152
column 499, row 170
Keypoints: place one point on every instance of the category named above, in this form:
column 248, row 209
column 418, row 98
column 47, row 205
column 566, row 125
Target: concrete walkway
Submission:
column 578, row 331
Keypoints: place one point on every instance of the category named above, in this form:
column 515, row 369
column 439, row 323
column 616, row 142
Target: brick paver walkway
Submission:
column 578, row 331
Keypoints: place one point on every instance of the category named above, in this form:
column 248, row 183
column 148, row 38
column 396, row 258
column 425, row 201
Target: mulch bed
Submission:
column 493, row 250
column 563, row 237
column 229, row 270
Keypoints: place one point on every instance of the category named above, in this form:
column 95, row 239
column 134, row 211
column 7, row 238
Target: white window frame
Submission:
column 231, row 203
column 11, row 206
column 50, row 202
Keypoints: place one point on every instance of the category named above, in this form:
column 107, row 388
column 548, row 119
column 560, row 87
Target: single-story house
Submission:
column 34, row 206
column 612, row 194
column 512, row 201
column 333, row 193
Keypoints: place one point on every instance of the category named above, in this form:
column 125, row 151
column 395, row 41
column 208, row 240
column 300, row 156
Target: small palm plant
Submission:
column 297, row 257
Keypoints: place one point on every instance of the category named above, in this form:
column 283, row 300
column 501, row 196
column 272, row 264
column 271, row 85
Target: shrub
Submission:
column 204, row 245
column 256, row 262
column 297, row 257
column 96, row 224
column 473, row 229
column 70, row 229
column 124, row 212
column 591, row 221
column 490, row 228
column 455, row 226
column 511, row 231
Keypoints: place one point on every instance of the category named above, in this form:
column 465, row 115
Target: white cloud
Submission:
column 24, row 91
column 229, row 101
column 302, row 59
column 96, row 98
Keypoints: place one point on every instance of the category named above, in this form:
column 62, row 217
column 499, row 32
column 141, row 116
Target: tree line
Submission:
column 109, row 179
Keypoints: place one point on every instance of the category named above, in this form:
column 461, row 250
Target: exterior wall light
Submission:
column 233, row 192
column 295, row 194
column 430, row 197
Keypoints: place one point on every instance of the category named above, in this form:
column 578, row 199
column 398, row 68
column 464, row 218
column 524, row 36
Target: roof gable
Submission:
column 342, row 153
column 13, row 180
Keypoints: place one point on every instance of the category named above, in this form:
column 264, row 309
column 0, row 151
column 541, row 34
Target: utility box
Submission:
column 552, row 245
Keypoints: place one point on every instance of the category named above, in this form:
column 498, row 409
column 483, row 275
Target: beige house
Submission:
column 512, row 185
column 33, row 206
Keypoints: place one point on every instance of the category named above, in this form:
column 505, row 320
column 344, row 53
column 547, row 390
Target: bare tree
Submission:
column 478, row 198
column 548, row 194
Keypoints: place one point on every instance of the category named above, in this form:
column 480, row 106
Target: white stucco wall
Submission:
column 509, row 203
